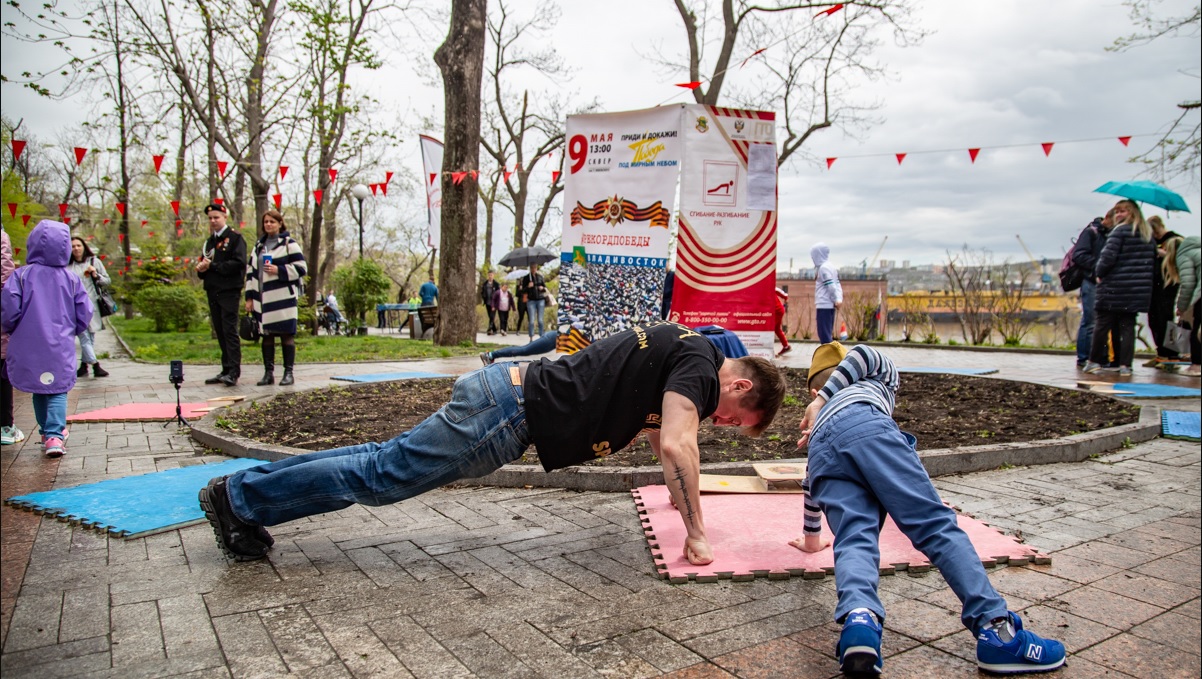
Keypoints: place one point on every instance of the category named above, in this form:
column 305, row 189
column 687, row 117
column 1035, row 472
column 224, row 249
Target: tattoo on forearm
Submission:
column 684, row 493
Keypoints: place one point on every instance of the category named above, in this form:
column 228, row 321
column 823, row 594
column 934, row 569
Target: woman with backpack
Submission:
column 1124, row 278
column 91, row 271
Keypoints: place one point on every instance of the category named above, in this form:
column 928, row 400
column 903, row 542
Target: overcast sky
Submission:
column 1017, row 72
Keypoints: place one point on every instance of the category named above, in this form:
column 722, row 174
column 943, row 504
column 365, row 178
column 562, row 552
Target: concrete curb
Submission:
column 938, row 462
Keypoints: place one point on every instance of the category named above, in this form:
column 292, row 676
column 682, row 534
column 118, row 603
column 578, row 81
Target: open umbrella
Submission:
column 1146, row 192
column 526, row 256
column 515, row 274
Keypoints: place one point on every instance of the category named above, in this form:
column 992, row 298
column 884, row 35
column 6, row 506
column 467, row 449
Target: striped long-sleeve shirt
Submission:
column 863, row 376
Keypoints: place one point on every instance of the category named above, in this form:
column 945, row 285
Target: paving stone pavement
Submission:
column 489, row 582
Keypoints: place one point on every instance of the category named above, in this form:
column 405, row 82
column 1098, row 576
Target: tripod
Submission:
column 179, row 413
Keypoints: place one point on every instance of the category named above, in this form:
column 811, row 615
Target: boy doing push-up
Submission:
column 861, row 466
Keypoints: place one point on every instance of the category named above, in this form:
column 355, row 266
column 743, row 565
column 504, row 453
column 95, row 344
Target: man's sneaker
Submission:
column 54, row 447
column 1023, row 653
column 10, row 436
column 238, row 539
column 859, row 648
column 486, row 357
column 1091, row 368
column 1124, row 371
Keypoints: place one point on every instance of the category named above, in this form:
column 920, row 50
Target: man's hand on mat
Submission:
column 813, row 542
column 697, row 551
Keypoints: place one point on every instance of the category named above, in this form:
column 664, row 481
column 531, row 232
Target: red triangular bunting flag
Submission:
column 387, row 177
column 12, row 210
column 80, row 152
column 508, row 172
column 121, row 239
column 102, row 255
column 972, row 154
column 241, row 225
column 158, row 163
column 24, row 220
column 150, row 233
column 221, row 166
column 373, row 188
column 179, row 233
column 1047, row 147
column 554, row 176
column 900, row 158
column 277, row 199
column 179, row 223
column 107, row 220
column 139, row 262
column 219, row 201
column 91, row 236
column 317, row 196
column 829, row 162
column 384, row 189
column 67, row 220
column 475, row 174
column 752, row 55
column 433, row 176
column 333, row 175
column 690, row 85
column 1125, row 140
column 457, row 177
column 120, row 208
column 828, row 12
column 175, row 207
column 62, row 209
column 16, row 251
column 143, row 223
column 283, row 171
column 18, row 147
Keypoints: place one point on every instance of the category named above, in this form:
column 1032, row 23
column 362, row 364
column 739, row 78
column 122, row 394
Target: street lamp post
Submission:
column 359, row 191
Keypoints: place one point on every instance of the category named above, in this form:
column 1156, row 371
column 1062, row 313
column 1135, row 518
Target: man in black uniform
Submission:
column 223, row 270
column 660, row 378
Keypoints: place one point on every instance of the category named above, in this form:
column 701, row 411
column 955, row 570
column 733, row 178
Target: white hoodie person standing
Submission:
column 828, row 293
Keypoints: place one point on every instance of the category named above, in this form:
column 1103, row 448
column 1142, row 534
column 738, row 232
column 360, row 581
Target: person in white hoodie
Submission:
column 828, row 293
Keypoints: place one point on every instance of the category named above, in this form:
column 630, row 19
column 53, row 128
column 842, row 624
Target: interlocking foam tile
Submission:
column 750, row 535
column 950, row 371
column 133, row 506
column 1154, row 391
column 386, row 377
column 143, row 412
column 1175, row 424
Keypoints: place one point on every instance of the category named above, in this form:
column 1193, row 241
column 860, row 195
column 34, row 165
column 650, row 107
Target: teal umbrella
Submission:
column 1146, row 192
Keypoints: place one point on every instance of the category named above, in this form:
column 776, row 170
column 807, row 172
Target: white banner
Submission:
column 619, row 194
column 432, row 179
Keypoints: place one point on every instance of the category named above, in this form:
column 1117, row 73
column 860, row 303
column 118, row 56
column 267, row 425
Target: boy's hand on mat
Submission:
column 811, row 543
column 697, row 551
column 811, row 416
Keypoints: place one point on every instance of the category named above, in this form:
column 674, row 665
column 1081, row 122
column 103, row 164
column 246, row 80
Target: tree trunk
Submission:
column 461, row 60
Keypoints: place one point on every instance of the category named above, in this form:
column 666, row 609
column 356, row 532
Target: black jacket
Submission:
column 1089, row 245
column 1125, row 269
column 227, row 257
column 487, row 289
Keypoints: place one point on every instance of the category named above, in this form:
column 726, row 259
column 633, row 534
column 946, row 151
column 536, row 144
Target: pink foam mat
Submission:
column 750, row 534
column 141, row 412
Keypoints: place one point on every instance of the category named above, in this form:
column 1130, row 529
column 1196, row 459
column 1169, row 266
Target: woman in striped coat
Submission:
column 273, row 282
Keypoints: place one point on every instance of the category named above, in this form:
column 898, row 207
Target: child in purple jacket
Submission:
column 43, row 307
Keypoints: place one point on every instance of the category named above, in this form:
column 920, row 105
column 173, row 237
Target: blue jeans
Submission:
column 1089, row 291
column 87, row 347
column 826, row 325
column 535, row 309
column 50, row 410
column 479, row 431
column 862, row 466
column 542, row 345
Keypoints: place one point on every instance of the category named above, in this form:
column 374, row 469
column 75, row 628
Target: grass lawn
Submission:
column 196, row 346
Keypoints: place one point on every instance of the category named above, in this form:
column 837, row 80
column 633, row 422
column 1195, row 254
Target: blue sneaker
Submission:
column 1023, row 653
column 859, row 648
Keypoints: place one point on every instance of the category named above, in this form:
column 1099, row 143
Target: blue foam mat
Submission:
column 133, row 506
column 386, row 377
column 1175, row 424
column 950, row 371
column 1154, row 390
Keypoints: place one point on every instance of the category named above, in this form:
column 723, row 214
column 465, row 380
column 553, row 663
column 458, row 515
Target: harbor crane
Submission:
column 867, row 262
column 1045, row 276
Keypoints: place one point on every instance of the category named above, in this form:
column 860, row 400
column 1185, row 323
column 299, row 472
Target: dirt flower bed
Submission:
column 943, row 411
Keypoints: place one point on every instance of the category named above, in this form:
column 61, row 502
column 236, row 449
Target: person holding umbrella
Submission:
column 1124, row 278
column 534, row 287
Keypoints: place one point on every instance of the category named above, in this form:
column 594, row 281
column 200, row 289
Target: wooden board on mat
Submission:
column 230, row 399
column 718, row 483
column 779, row 471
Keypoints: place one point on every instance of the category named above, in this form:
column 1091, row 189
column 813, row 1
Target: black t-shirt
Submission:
column 596, row 401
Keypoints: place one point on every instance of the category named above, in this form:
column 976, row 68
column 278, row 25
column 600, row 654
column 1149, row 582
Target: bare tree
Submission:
column 1010, row 315
column 461, row 60
column 791, row 61
column 969, row 275
column 1177, row 152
